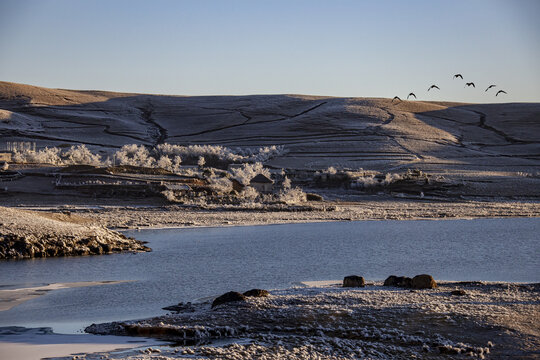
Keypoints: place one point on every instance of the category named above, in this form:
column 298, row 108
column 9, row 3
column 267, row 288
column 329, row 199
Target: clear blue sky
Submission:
column 333, row 47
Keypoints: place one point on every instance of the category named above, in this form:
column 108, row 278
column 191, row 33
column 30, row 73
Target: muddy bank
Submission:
column 28, row 234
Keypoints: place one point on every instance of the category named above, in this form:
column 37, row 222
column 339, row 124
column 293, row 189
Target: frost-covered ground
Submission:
column 492, row 320
column 366, row 209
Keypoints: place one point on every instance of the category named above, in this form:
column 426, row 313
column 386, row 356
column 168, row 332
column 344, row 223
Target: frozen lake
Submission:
column 190, row 264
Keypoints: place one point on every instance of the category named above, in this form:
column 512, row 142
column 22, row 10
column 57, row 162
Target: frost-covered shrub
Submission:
column 365, row 182
column 292, row 196
column 331, row 170
column 166, row 156
column 221, row 185
column 218, row 156
column 247, row 172
column 75, row 155
column 134, row 155
column 249, row 193
column 169, row 195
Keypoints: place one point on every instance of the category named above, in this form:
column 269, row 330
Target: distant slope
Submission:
column 318, row 131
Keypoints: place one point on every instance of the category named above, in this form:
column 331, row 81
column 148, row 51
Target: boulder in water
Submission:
column 354, row 281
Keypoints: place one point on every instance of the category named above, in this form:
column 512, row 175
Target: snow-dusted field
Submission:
column 492, row 320
column 390, row 209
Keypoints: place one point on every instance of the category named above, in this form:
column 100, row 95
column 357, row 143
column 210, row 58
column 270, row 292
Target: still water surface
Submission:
column 190, row 264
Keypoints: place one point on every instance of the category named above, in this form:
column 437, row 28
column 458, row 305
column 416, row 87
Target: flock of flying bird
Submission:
column 455, row 77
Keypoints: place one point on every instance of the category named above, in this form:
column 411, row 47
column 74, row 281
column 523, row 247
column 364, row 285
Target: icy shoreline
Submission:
column 332, row 322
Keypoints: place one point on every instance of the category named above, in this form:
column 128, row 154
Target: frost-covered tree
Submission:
column 165, row 162
column 201, row 161
column 286, row 183
column 45, row 156
column 177, row 161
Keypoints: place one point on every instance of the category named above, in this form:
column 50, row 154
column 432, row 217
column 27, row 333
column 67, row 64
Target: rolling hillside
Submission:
column 317, row 132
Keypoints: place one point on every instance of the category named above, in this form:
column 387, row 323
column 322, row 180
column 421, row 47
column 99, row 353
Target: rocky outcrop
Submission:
column 354, row 281
column 14, row 246
column 231, row 296
column 33, row 234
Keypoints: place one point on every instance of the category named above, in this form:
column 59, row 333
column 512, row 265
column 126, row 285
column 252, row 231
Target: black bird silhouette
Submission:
column 458, row 76
column 500, row 91
column 433, row 87
column 396, row 98
column 470, row 84
column 490, row 86
column 411, row 94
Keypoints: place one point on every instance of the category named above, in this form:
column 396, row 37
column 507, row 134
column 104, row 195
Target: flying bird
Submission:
column 411, row 94
column 396, row 98
column 490, row 86
column 470, row 84
column 458, row 76
column 500, row 91
column 433, row 87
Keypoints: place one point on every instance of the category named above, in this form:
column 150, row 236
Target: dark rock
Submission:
column 458, row 292
column 399, row 281
column 354, row 281
column 257, row 293
column 181, row 307
column 313, row 197
column 231, row 296
column 423, row 281
column 447, row 349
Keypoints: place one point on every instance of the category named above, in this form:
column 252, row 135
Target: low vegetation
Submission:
column 166, row 156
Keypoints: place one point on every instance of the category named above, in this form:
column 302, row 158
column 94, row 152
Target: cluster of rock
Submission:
column 423, row 281
column 15, row 246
